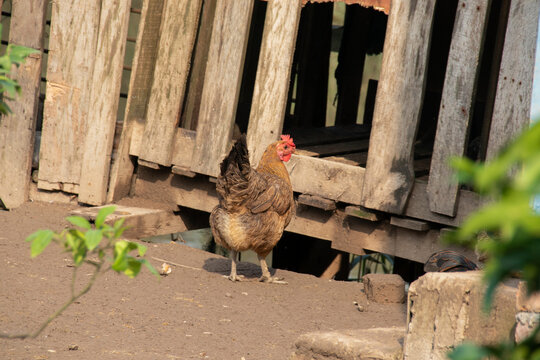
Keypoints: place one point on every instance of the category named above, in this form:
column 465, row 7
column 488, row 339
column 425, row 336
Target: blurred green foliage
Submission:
column 508, row 227
column 9, row 88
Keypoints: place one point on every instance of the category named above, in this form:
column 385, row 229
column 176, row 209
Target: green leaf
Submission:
column 79, row 221
column 93, row 238
column 468, row 351
column 121, row 248
column 40, row 239
column 18, row 53
column 133, row 267
column 102, row 214
column 142, row 249
column 149, row 266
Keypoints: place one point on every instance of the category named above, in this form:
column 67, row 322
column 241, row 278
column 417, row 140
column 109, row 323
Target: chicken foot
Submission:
column 234, row 276
column 266, row 277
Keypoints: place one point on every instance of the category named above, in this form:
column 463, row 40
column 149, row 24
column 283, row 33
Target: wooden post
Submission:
column 172, row 67
column 222, row 84
column 273, row 75
column 389, row 174
column 17, row 129
column 140, row 84
column 105, row 86
column 511, row 111
column 69, row 74
column 456, row 108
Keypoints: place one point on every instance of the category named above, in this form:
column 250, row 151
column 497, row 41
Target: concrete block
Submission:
column 445, row 309
column 528, row 303
column 526, row 322
column 384, row 288
column 373, row 344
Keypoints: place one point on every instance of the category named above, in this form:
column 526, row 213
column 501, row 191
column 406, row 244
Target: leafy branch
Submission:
column 9, row 88
column 101, row 240
column 506, row 230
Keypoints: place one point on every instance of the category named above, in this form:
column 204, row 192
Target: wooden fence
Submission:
column 361, row 186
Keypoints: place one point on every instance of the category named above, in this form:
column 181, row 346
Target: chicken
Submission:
column 448, row 261
column 255, row 205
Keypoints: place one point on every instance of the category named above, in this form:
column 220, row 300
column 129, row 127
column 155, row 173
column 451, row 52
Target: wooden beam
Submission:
column 184, row 143
column 140, row 84
column 273, row 76
column 511, row 112
column 317, row 201
column 222, row 84
column 106, row 79
column 346, row 233
column 198, row 68
column 456, row 109
column 17, row 129
column 331, row 180
column 412, row 224
column 389, row 170
column 70, row 66
column 140, row 222
column 362, row 213
column 169, row 84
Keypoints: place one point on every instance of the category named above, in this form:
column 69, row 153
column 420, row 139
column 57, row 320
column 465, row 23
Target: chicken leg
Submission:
column 233, row 276
column 266, row 277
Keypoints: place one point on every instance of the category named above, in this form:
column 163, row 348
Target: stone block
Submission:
column 445, row 309
column 528, row 303
column 373, row 344
column 384, row 288
column 526, row 322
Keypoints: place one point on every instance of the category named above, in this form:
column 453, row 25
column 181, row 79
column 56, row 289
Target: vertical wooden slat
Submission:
column 514, row 89
column 222, row 84
column 178, row 31
column 17, row 129
column 389, row 172
column 457, row 102
column 273, row 75
column 106, row 81
column 198, row 68
column 69, row 73
column 144, row 61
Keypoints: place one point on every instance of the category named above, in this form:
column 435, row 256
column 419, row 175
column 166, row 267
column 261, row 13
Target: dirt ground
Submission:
column 193, row 313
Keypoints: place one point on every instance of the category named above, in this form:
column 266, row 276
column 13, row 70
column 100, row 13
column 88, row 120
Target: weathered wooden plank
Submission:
column 69, row 75
column 198, row 68
column 331, row 180
column 143, row 64
column 362, row 213
column 511, row 110
column 222, row 85
column 273, row 75
column 389, row 171
column 106, row 79
column 457, row 102
column 184, row 143
column 17, row 129
column 353, row 235
column 418, row 206
column 412, row 224
column 317, row 201
column 170, row 75
column 140, row 222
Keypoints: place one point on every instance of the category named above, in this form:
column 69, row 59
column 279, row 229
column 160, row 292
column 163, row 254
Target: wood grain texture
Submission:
column 140, row 84
column 184, row 143
column 456, row 109
column 17, row 129
column 222, row 84
column 273, row 75
column 389, row 170
column 169, row 83
column 511, row 110
column 69, row 75
column 330, row 180
column 106, row 81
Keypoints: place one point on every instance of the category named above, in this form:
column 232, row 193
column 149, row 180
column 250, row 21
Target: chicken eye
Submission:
column 286, row 147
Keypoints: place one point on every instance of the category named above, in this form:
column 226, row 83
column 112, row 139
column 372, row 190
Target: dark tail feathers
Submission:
column 237, row 162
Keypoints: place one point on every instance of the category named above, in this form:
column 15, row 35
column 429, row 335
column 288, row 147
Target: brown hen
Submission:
column 255, row 205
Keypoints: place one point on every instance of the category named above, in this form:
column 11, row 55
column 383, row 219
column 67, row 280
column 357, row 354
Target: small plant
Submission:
column 98, row 246
column 512, row 244
column 9, row 88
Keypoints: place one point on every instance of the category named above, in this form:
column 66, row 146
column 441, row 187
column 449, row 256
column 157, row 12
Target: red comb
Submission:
column 287, row 138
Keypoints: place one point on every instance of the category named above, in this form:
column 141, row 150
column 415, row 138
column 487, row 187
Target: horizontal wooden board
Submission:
column 327, row 179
